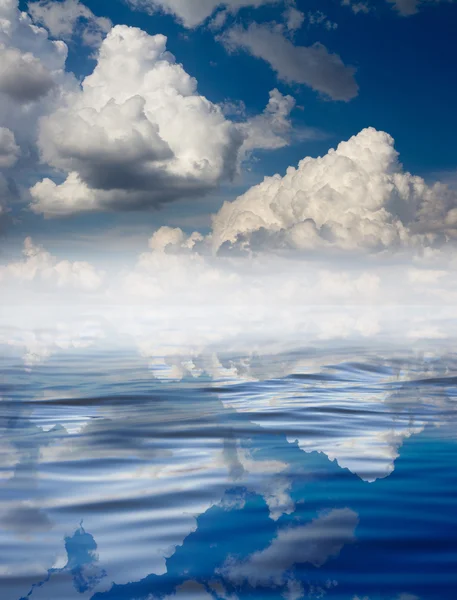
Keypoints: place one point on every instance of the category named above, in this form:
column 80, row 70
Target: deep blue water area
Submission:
column 326, row 471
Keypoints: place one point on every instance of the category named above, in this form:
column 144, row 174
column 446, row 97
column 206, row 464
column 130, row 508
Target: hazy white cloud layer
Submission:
column 39, row 266
column 313, row 66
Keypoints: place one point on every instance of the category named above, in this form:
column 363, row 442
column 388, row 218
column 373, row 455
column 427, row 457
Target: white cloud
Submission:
column 23, row 77
column 410, row 7
column 142, row 139
column 294, row 18
column 313, row 66
column 32, row 81
column 30, row 64
column 9, row 150
column 193, row 13
column 355, row 198
column 146, row 139
column 70, row 17
column 314, row 543
column 273, row 128
column 39, row 265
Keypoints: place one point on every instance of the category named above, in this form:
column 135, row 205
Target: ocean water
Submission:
column 320, row 468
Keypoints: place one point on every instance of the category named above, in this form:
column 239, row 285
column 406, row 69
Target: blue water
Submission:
column 323, row 472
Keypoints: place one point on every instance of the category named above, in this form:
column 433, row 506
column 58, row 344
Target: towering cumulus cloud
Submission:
column 141, row 139
column 356, row 197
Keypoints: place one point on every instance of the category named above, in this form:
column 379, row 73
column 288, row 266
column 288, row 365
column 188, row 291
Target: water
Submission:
column 325, row 469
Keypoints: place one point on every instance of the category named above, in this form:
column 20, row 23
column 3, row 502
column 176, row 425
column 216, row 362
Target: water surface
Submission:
column 128, row 471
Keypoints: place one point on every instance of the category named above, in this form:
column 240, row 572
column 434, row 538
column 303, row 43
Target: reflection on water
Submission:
column 152, row 470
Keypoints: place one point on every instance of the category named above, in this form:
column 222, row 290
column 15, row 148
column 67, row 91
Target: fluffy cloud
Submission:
column 9, row 150
column 23, row 77
column 141, row 140
column 147, row 139
column 33, row 81
column 356, row 197
column 70, row 17
column 273, row 128
column 39, row 265
column 313, row 66
column 294, row 18
column 192, row 14
column 30, row 64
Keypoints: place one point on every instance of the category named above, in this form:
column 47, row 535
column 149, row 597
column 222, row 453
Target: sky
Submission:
column 153, row 147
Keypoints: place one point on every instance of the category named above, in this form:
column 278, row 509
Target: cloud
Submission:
column 29, row 63
column 294, row 18
column 65, row 19
column 355, row 198
column 40, row 265
column 320, row 18
column 314, row 543
column 407, row 8
column 191, row 14
column 32, row 81
column 313, row 66
column 9, row 150
column 141, row 140
column 273, row 128
column 4, row 197
column 357, row 7
column 145, row 140
column 23, row 77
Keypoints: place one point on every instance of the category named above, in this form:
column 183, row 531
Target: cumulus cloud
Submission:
column 147, row 139
column 65, row 19
column 33, row 81
column 355, row 198
column 141, row 140
column 192, row 14
column 9, row 150
column 39, row 265
column 314, row 543
column 23, row 77
column 313, row 66
column 30, row 64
